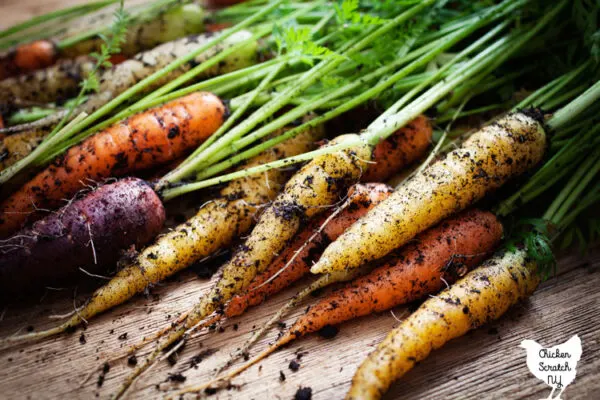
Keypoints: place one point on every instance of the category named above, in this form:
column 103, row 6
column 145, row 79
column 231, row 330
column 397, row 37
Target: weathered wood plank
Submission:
column 484, row 364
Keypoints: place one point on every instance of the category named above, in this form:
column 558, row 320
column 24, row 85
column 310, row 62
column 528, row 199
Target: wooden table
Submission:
column 485, row 364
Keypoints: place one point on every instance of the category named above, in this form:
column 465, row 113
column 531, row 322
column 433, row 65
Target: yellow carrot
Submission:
column 487, row 160
column 481, row 296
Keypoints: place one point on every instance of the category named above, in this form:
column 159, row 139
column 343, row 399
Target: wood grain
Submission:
column 485, row 364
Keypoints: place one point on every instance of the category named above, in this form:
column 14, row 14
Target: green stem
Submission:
column 562, row 163
column 592, row 196
column 582, row 177
column 459, row 57
column 433, row 50
column 556, row 101
column 187, row 167
column 24, row 116
column 488, row 59
column 307, row 79
column 178, row 191
column 197, row 70
column 542, row 94
column 574, row 108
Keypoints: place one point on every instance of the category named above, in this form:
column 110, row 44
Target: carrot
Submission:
column 489, row 158
column 15, row 147
column 438, row 256
column 151, row 138
column 28, row 57
column 87, row 233
column 57, row 82
column 169, row 24
column 316, row 186
column 121, row 77
column 215, row 226
column 486, row 160
column 403, row 148
column 389, row 156
column 483, row 295
column 361, row 198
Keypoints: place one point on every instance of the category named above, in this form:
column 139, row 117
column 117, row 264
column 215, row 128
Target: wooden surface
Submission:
column 486, row 364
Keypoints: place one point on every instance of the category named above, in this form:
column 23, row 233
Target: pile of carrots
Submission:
column 334, row 217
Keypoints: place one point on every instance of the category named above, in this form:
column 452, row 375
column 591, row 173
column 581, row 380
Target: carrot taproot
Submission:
column 310, row 191
column 489, row 158
column 213, row 227
column 57, row 82
column 277, row 224
column 87, row 233
column 361, row 198
column 486, row 160
column 389, row 156
column 483, row 295
column 15, row 147
column 403, row 148
column 168, row 24
column 28, row 57
column 116, row 80
column 147, row 139
column 437, row 256
column 316, row 186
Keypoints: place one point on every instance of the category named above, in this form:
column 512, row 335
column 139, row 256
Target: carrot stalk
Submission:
column 438, row 256
column 148, row 139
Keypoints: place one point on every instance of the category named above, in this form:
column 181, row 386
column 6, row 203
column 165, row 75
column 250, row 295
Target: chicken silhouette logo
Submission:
column 555, row 366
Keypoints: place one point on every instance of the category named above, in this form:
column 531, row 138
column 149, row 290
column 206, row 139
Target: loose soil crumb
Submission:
column 294, row 365
column 177, row 377
column 304, row 393
column 329, row 331
column 132, row 360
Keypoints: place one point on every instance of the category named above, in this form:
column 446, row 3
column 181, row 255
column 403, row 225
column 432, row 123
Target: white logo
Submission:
column 555, row 366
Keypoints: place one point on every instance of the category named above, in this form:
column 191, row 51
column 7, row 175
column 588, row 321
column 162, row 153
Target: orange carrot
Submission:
column 391, row 155
column 148, row 139
column 216, row 27
column 438, row 256
column 117, row 59
column 404, row 147
column 28, row 57
column 361, row 198
column 443, row 253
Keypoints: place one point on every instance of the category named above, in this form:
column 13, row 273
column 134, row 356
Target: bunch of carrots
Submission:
column 212, row 111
